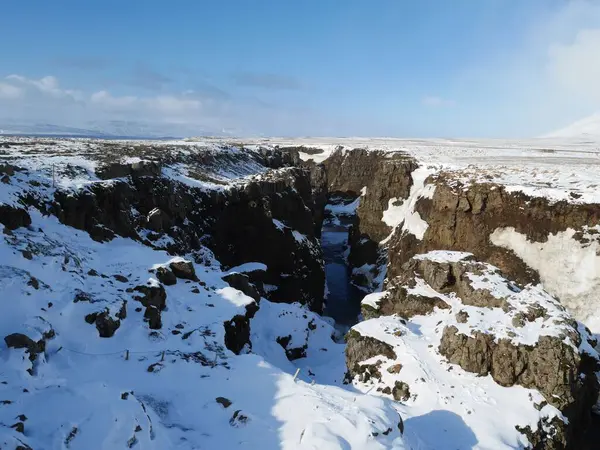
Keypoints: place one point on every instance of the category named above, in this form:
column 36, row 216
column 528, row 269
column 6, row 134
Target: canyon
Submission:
column 288, row 294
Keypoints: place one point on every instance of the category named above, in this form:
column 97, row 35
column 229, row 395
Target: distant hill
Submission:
column 584, row 128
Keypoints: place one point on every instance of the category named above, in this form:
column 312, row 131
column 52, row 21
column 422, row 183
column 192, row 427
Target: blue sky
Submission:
column 432, row 68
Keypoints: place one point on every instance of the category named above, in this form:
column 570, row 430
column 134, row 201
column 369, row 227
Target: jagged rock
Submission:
column 106, row 325
column 13, row 217
column 183, row 269
column 137, row 169
column 7, row 169
column 549, row 435
column 153, row 317
column 401, row 391
column 242, row 283
column 152, row 294
column 292, row 353
column 550, row 366
column 19, row 340
column 225, row 402
column 158, row 220
column 360, row 348
column 407, row 299
column 518, row 335
column 165, row 276
column 237, row 330
column 318, row 181
column 385, row 176
column 463, row 218
column 122, row 314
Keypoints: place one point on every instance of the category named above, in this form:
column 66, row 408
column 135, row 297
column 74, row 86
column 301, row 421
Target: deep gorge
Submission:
column 234, row 254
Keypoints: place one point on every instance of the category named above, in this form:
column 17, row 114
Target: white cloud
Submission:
column 30, row 101
column 8, row 91
column 435, row 101
column 47, row 85
column 105, row 99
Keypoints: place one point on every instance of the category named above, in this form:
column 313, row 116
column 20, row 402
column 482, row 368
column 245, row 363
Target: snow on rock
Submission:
column 403, row 211
column 568, row 264
column 248, row 267
column 516, row 350
column 165, row 378
column 372, row 300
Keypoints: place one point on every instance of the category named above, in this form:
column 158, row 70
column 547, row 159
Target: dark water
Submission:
column 343, row 301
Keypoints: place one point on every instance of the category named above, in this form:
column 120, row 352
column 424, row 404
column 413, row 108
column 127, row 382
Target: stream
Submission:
column 343, row 298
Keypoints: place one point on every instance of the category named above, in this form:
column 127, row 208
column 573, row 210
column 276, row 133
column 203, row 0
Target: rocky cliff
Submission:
column 409, row 208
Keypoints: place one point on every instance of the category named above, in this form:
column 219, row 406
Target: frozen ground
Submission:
column 177, row 401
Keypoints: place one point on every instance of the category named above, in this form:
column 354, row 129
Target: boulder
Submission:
column 152, row 294
column 183, row 269
column 165, row 276
column 242, row 283
column 19, row 340
column 106, row 324
column 237, row 330
column 153, row 316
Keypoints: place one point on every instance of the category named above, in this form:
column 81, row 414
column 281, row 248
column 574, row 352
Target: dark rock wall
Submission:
column 237, row 223
column 463, row 220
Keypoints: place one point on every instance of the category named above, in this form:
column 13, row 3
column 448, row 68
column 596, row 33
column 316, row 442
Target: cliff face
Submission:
column 463, row 218
column 407, row 210
column 378, row 177
column 266, row 217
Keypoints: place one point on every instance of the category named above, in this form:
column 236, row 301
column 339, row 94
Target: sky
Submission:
column 428, row 68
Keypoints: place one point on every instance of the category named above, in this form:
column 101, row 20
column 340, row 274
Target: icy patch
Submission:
column 404, row 212
column 441, row 256
column 238, row 298
column 279, row 225
column 373, row 299
column 249, row 267
column 568, row 269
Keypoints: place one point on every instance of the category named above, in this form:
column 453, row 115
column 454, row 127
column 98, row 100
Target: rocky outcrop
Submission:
column 13, row 217
column 268, row 219
column 318, row 181
column 242, row 283
column 166, row 276
column 378, row 177
column 237, row 330
column 136, row 169
column 384, row 175
column 105, row 323
column 360, row 348
column 183, row 269
column 489, row 325
column 463, row 218
column 19, row 340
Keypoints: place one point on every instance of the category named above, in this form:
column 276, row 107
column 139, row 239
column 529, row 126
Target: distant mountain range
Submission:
column 108, row 130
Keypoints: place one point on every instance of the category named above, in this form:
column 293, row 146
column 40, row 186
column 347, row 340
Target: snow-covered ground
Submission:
column 179, row 387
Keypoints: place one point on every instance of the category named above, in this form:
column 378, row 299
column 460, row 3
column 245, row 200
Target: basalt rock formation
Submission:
column 268, row 219
column 485, row 324
column 463, row 218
